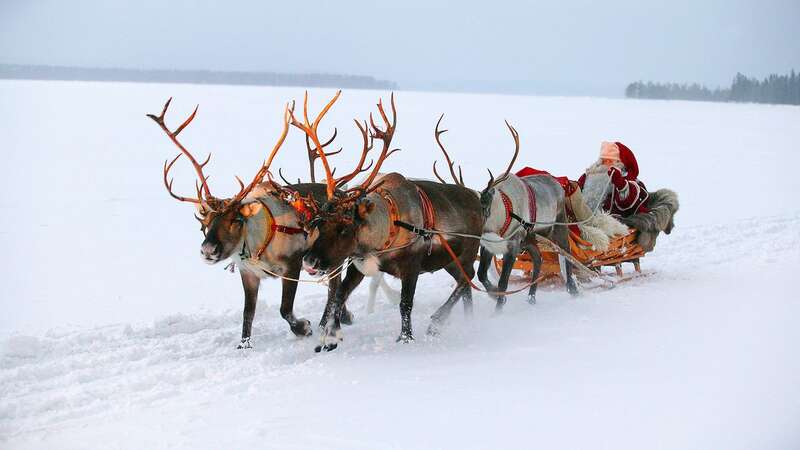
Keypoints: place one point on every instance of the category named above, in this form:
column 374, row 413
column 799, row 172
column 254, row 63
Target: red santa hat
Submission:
column 618, row 151
column 626, row 157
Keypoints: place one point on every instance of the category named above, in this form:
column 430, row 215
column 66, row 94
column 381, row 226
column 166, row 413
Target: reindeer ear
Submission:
column 364, row 208
column 250, row 209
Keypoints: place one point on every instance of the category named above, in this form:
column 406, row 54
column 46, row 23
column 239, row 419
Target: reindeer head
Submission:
column 222, row 221
column 488, row 193
column 334, row 231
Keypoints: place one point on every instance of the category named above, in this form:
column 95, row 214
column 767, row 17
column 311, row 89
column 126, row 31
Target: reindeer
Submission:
column 380, row 225
column 515, row 210
column 260, row 228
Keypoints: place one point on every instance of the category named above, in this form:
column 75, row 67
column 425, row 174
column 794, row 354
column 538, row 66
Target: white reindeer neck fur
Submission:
column 516, row 190
column 490, row 238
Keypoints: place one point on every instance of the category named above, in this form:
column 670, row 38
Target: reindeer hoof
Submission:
column 327, row 347
column 346, row 317
column 573, row 290
column 433, row 330
column 330, row 340
column 532, row 299
column 245, row 344
column 405, row 338
column 301, row 328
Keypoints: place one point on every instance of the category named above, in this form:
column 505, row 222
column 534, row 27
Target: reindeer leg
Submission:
column 409, row 286
column 462, row 291
column 300, row 327
column 561, row 235
column 250, row 283
column 440, row 316
column 374, row 284
column 483, row 270
column 536, row 258
column 468, row 263
column 508, row 263
column 332, row 332
column 333, row 286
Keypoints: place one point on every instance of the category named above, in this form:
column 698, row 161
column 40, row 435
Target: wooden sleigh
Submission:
column 588, row 264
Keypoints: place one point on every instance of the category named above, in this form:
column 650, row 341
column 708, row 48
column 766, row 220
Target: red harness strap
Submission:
column 509, row 209
column 286, row 230
column 394, row 215
column 275, row 228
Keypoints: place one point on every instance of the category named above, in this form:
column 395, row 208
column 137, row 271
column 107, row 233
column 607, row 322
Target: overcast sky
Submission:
column 553, row 46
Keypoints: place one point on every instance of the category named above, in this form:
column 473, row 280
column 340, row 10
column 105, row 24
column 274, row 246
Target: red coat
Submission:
column 631, row 199
column 628, row 194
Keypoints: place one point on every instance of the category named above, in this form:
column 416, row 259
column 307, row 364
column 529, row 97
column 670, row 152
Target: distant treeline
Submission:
column 781, row 89
column 26, row 72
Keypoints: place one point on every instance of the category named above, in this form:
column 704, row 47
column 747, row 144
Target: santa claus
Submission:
column 628, row 195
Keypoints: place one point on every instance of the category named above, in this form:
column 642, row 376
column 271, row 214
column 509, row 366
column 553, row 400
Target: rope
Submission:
column 569, row 257
column 467, row 277
column 270, row 233
column 321, row 280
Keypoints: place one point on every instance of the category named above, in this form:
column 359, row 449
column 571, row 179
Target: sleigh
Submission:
column 588, row 263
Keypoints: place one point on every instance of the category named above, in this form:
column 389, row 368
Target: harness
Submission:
column 275, row 228
column 428, row 219
column 394, row 216
column 510, row 214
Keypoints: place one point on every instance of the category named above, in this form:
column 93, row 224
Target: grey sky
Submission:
column 555, row 47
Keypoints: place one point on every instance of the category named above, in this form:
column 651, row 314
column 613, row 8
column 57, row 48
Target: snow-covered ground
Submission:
column 115, row 334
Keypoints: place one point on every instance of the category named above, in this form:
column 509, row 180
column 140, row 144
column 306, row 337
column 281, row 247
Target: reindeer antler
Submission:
column 310, row 129
column 313, row 155
column 264, row 171
column 385, row 136
column 203, row 191
column 458, row 180
column 504, row 175
column 201, row 185
column 368, row 141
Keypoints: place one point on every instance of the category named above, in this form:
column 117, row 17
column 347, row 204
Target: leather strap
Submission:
column 394, row 216
column 275, row 228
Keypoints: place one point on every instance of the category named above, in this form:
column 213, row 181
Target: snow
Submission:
column 115, row 334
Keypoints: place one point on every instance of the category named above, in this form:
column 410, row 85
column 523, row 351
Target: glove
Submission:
column 616, row 178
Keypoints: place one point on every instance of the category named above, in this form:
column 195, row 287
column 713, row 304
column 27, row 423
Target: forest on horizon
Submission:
column 776, row 89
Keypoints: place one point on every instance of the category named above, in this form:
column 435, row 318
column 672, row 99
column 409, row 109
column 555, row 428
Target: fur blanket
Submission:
column 662, row 205
column 601, row 229
column 598, row 229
